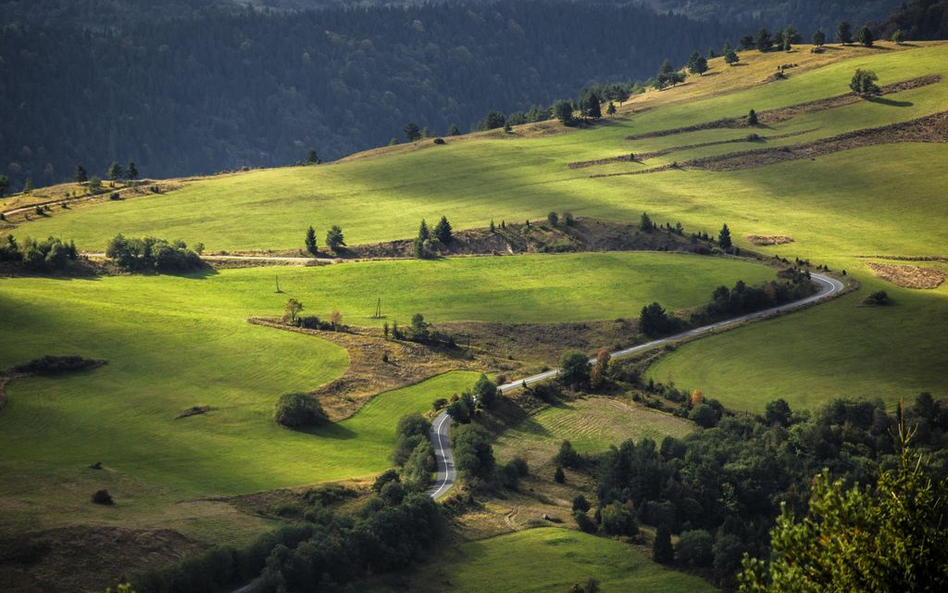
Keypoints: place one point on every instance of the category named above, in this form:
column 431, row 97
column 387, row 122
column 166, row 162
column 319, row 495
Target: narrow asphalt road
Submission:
column 447, row 474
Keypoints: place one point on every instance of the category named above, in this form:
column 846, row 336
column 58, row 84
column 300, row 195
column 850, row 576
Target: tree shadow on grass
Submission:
column 890, row 102
column 331, row 430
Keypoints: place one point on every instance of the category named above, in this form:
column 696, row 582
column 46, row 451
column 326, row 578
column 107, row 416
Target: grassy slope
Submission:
column 173, row 342
column 591, row 425
column 549, row 559
column 879, row 200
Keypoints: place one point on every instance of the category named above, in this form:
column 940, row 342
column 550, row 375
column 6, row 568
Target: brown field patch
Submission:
column 908, row 276
column 769, row 239
column 368, row 375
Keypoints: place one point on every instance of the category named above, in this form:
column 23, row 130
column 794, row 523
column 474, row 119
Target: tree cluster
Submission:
column 724, row 487
column 150, row 254
column 48, row 255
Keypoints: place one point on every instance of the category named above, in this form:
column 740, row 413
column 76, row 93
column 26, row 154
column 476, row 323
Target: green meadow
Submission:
column 172, row 342
column 548, row 559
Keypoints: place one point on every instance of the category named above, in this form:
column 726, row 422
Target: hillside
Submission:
column 825, row 178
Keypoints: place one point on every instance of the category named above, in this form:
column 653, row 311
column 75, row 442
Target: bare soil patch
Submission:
column 785, row 113
column 908, row 276
column 769, row 239
column 72, row 558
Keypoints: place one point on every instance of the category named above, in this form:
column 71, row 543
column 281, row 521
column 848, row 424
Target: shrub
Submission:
column 297, row 410
column 581, row 504
column 389, row 475
column 439, row 403
column 585, row 523
column 879, row 297
column 559, row 476
column 102, row 497
column 694, row 548
column 439, row 141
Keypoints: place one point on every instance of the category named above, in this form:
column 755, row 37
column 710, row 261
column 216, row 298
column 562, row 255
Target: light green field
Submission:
column 876, row 200
column 173, row 342
column 549, row 559
column 591, row 425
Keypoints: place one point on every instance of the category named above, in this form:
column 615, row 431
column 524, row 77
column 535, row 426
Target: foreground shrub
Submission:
column 102, row 497
column 296, row 410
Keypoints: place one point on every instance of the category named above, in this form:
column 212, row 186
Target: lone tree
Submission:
column 898, row 37
column 865, row 36
column 563, row 110
column 819, row 38
column 574, row 368
column 863, row 83
column 291, row 311
column 731, row 57
column 80, row 176
column 334, row 239
column 311, row 241
column 454, row 131
column 442, row 231
column 297, row 410
column 412, row 131
column 724, row 238
column 752, row 118
column 28, row 186
column 311, row 157
column 115, row 171
column 553, row 218
column 844, row 33
column 131, row 171
column 698, row 64
column 611, row 108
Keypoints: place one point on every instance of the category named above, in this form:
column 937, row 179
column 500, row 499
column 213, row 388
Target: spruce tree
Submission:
column 593, row 109
column 844, row 33
column 731, row 58
column 412, row 132
column 115, row 171
column 611, row 108
column 443, row 231
column 423, row 233
column 311, row 241
column 764, row 41
column 752, row 118
column 80, row 175
column 334, row 239
column 131, row 171
column 724, row 238
column 819, row 38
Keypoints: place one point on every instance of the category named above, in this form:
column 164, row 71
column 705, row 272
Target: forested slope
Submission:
column 222, row 91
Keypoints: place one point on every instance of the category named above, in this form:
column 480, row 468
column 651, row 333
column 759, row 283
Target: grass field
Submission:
column 548, row 559
column 173, row 342
column 868, row 201
column 591, row 425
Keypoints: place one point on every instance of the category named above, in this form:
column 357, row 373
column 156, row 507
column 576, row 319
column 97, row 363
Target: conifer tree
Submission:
column 724, row 238
column 80, row 175
column 115, row 171
column 131, row 171
column 311, row 241
column 442, row 231
column 844, row 33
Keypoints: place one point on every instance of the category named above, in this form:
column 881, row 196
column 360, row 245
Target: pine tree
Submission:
column 646, row 223
column 764, row 42
column 699, row 66
column 80, row 175
column 593, row 108
column 4, row 184
column 752, row 118
column 611, row 108
column 115, row 171
column 423, row 233
column 311, row 241
column 819, row 38
column 131, row 171
column 731, row 58
column 724, row 238
column 442, row 231
column 311, row 157
column 334, row 239
column 492, row 227
column 412, row 132
column 454, row 131
column 844, row 33
column 727, row 48
column 28, row 186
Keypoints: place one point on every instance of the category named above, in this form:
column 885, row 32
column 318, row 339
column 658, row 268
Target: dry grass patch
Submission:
column 769, row 239
column 908, row 276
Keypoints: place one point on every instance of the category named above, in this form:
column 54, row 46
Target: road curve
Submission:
column 439, row 441
column 828, row 287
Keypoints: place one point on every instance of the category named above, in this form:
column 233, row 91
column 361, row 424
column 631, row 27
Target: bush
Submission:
column 297, row 410
column 879, row 297
column 618, row 520
column 389, row 475
column 439, row 403
column 584, row 523
column 704, row 416
column 54, row 365
column 102, row 497
column 581, row 504
column 694, row 548
column 559, row 476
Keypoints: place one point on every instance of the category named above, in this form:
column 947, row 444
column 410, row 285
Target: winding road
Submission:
column 447, row 474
